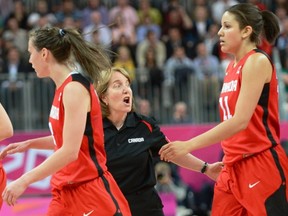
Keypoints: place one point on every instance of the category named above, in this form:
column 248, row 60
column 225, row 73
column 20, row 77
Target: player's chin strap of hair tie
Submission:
column 62, row 32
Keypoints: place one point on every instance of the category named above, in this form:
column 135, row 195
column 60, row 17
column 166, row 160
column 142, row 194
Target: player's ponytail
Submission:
column 263, row 23
column 68, row 47
column 271, row 27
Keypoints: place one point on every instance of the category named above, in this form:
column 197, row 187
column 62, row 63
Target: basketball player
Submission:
column 6, row 131
column 81, row 183
column 254, row 178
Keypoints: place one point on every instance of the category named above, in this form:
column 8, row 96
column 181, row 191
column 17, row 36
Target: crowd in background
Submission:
column 160, row 43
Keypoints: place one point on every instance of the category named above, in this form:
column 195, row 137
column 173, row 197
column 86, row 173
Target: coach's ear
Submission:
column 104, row 100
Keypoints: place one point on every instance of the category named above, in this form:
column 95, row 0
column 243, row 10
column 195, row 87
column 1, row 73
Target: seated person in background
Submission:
column 15, row 68
column 165, row 183
column 144, row 107
column 210, row 76
column 12, row 66
column 177, row 72
column 180, row 114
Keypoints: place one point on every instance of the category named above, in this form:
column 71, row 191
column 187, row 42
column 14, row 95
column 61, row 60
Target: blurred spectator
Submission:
column 103, row 32
column 205, row 3
column 2, row 52
column 122, row 41
column 176, row 17
column 151, row 41
column 145, row 9
column 145, row 26
column 167, row 5
column 124, row 60
column 96, row 38
column 285, row 80
column 258, row 3
column 19, row 12
column 94, row 5
column 201, row 23
column 17, row 35
column 218, row 7
column 143, row 107
column 180, row 114
column 175, row 39
column 127, row 12
column 155, row 72
column 6, row 44
column 209, row 74
column 282, row 4
column 120, row 27
column 212, row 37
column 177, row 71
column 281, row 13
column 68, row 9
column 41, row 12
column 44, row 21
column 170, row 193
column 165, row 181
column 282, row 44
column 150, row 78
column 13, row 66
column 207, row 66
column 6, row 7
column 68, row 22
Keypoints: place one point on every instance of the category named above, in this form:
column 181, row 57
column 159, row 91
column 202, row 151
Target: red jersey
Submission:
column 91, row 162
column 263, row 129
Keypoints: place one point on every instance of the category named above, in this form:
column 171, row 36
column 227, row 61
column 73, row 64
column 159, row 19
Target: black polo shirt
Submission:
column 131, row 150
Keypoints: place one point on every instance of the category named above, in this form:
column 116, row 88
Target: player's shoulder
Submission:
column 260, row 55
column 259, row 59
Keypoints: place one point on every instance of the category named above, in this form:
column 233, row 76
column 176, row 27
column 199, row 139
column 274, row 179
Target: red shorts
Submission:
column 3, row 181
column 255, row 185
column 101, row 197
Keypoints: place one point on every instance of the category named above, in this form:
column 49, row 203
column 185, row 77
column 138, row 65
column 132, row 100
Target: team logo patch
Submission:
column 136, row 140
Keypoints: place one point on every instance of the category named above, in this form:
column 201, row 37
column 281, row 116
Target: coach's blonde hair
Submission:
column 103, row 85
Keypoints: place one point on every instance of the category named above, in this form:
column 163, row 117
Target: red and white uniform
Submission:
column 253, row 180
column 3, row 180
column 84, row 186
column 263, row 129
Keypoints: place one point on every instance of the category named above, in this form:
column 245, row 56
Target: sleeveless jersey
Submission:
column 91, row 162
column 263, row 129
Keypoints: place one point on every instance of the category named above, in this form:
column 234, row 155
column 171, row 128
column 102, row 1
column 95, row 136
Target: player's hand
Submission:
column 14, row 148
column 214, row 169
column 12, row 191
column 173, row 150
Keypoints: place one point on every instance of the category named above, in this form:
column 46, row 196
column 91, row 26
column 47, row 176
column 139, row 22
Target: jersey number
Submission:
column 223, row 101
